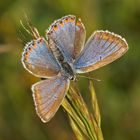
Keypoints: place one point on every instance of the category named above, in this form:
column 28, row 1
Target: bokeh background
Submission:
column 118, row 92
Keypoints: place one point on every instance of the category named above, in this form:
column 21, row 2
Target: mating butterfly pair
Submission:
column 64, row 54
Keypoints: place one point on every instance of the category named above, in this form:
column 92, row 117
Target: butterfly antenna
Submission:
column 91, row 78
column 25, row 28
column 21, row 37
column 32, row 28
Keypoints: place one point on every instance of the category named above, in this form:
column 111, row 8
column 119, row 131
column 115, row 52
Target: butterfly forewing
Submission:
column 48, row 95
column 38, row 59
column 102, row 48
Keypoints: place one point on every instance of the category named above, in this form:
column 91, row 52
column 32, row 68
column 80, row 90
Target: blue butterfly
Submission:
column 64, row 54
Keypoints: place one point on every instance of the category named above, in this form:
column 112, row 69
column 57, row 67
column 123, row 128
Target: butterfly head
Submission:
column 72, row 77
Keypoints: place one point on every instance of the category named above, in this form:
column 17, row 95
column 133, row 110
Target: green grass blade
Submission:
column 84, row 124
column 77, row 131
column 94, row 102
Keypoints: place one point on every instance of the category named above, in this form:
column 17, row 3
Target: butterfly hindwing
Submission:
column 62, row 32
column 38, row 59
column 102, row 48
column 48, row 95
column 80, row 36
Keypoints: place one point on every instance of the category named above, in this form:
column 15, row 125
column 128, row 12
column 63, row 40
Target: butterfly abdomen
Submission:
column 56, row 51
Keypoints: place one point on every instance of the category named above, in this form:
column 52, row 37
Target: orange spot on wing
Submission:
column 34, row 46
column 78, row 23
column 105, row 37
column 71, row 20
column 66, row 20
column 55, row 27
column 26, row 57
column 61, row 23
column 27, row 54
column 112, row 39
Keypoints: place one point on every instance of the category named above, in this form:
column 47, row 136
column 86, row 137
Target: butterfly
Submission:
column 63, row 54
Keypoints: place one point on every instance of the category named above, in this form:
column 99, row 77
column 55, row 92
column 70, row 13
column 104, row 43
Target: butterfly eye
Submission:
column 72, row 78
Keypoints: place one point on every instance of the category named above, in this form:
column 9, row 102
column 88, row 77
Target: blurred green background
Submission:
column 118, row 92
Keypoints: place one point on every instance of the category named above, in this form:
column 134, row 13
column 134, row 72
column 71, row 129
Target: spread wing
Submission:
column 102, row 48
column 38, row 59
column 68, row 35
column 48, row 95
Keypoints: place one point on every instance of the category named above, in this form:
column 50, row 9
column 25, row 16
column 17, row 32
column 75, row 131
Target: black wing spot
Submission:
column 100, row 58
